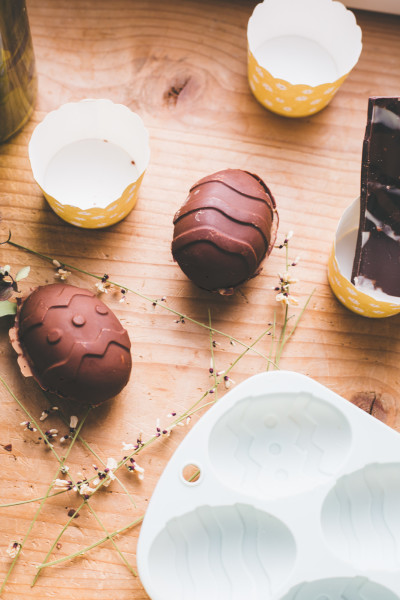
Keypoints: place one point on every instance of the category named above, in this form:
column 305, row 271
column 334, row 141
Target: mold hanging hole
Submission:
column 191, row 473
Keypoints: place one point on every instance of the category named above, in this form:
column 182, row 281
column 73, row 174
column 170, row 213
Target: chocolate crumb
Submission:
column 8, row 447
column 58, row 545
column 71, row 513
column 133, row 162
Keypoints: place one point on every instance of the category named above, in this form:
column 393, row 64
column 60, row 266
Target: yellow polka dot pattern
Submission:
column 286, row 99
column 97, row 218
column 354, row 299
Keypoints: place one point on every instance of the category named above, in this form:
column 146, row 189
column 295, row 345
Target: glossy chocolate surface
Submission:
column 225, row 229
column 377, row 259
column 74, row 344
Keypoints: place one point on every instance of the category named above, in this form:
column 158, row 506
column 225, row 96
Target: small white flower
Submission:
column 289, row 236
column 73, row 422
column 228, row 381
column 13, row 549
column 62, row 274
column 62, row 484
column 28, row 426
column 56, row 263
column 101, row 288
column 287, row 278
column 85, row 489
column 111, row 465
column 44, row 415
column 51, row 433
column 139, row 471
column 127, row 447
column 64, row 469
column 285, row 298
column 133, row 467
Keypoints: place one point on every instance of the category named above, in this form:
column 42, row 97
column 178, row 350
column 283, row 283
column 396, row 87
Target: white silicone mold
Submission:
column 298, row 498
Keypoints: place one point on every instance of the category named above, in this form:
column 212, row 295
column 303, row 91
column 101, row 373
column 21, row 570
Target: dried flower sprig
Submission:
column 8, row 287
column 104, row 477
column 183, row 418
column 285, row 297
column 13, row 549
column 61, row 461
column 105, row 279
column 60, row 482
column 94, row 545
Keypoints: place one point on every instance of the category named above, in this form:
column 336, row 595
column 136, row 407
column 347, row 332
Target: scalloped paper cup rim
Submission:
column 115, row 146
column 326, row 23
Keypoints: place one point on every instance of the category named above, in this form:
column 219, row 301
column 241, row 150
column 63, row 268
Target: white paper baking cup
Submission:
column 89, row 159
column 373, row 303
column 299, row 53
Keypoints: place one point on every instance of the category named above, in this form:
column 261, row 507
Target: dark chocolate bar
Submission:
column 377, row 258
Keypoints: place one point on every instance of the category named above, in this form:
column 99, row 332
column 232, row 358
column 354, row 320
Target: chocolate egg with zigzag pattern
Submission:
column 72, row 344
column 225, row 229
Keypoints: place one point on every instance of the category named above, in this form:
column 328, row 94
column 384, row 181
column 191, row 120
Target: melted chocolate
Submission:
column 225, row 229
column 377, row 258
column 74, row 344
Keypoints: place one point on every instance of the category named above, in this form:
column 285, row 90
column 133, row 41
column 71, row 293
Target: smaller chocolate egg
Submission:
column 225, row 229
column 72, row 344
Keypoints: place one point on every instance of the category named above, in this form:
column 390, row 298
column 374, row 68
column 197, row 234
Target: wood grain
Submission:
column 182, row 66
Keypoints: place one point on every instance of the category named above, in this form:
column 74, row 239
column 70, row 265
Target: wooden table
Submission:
column 182, row 66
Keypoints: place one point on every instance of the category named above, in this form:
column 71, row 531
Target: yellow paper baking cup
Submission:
column 89, row 159
column 299, row 53
column 375, row 304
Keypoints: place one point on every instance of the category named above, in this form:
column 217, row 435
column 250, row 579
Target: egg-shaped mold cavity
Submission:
column 221, row 553
column 340, row 588
column 361, row 518
column 275, row 445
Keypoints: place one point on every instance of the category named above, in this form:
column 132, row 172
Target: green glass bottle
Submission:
column 18, row 79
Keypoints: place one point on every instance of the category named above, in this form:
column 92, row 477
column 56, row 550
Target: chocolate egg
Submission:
column 72, row 344
column 225, row 229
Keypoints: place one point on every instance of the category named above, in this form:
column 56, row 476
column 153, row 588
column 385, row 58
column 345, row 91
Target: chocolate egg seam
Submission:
column 240, row 176
column 221, row 242
column 240, row 217
column 201, row 183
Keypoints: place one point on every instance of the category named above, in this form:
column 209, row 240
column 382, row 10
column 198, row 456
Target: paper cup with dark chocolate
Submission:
column 299, row 53
column 89, row 160
column 361, row 298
